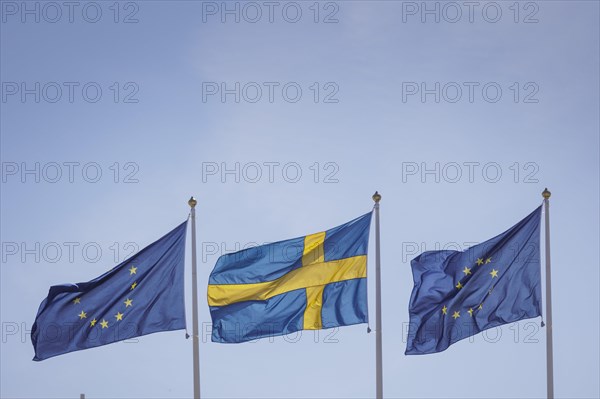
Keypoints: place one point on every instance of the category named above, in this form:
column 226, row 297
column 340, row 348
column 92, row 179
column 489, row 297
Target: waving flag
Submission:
column 307, row 283
column 458, row 294
column 140, row 296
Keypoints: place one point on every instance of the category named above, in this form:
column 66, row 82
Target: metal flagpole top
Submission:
column 546, row 194
column 192, row 202
column 376, row 197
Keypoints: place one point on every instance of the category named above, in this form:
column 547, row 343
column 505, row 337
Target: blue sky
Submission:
column 119, row 123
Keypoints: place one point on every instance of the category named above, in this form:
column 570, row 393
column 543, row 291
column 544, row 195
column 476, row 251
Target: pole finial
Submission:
column 376, row 197
column 546, row 194
column 192, row 202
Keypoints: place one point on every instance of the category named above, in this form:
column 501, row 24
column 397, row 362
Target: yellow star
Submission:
column 82, row 315
column 459, row 285
column 466, row 271
column 444, row 310
column 494, row 273
column 76, row 301
column 133, row 285
column 128, row 303
column 132, row 270
column 93, row 323
column 456, row 315
column 479, row 261
column 470, row 312
column 488, row 260
column 119, row 316
column 480, row 306
column 104, row 323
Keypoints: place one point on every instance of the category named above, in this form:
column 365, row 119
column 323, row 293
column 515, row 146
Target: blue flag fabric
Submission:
column 140, row 296
column 458, row 294
column 307, row 283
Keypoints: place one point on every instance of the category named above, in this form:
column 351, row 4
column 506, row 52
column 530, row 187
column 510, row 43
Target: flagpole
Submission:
column 195, row 335
column 378, row 347
column 549, row 354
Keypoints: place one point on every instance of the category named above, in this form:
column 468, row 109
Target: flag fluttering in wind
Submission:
column 458, row 294
column 140, row 296
column 307, row 283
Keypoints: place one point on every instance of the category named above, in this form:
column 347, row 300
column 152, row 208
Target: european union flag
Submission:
column 306, row 283
column 140, row 296
column 458, row 294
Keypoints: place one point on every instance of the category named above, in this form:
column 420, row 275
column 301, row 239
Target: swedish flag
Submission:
column 306, row 283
